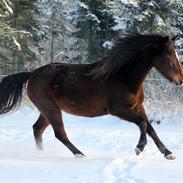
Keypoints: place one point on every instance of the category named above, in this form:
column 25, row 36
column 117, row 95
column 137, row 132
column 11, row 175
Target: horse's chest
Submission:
column 128, row 99
column 136, row 100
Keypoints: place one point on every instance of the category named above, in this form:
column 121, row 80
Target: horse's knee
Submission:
column 142, row 125
column 40, row 124
column 61, row 135
column 37, row 132
column 62, row 138
column 35, row 127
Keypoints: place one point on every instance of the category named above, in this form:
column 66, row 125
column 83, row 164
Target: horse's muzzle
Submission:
column 180, row 82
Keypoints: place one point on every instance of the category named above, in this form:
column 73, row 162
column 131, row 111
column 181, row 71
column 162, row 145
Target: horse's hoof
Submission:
column 79, row 155
column 170, row 157
column 137, row 151
column 39, row 147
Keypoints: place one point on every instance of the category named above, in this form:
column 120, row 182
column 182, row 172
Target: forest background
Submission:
column 37, row 32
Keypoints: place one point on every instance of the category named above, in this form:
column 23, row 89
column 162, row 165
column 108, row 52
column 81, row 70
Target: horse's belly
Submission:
column 82, row 108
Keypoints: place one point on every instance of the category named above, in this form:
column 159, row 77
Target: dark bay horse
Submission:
column 113, row 85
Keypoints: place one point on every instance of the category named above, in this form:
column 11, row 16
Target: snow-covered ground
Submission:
column 107, row 141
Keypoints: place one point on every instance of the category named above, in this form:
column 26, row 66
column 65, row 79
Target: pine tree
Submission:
column 157, row 16
column 7, row 31
column 24, row 19
column 124, row 14
column 94, row 26
column 55, row 45
column 18, row 36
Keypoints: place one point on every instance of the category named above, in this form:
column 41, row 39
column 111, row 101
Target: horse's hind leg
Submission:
column 53, row 114
column 38, row 129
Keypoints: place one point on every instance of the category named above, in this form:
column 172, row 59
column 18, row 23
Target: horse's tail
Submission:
column 11, row 89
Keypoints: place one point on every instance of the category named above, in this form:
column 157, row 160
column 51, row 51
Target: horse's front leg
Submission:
column 138, row 117
column 162, row 148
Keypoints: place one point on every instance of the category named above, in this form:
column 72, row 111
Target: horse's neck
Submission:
column 137, row 73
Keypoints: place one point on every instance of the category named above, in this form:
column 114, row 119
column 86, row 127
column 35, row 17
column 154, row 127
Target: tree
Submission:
column 18, row 36
column 25, row 19
column 94, row 26
column 124, row 11
column 157, row 16
column 55, row 45
column 8, row 32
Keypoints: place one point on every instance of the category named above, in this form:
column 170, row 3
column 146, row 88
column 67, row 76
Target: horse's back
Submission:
column 69, row 87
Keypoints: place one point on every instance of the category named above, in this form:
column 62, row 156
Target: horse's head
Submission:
column 167, row 61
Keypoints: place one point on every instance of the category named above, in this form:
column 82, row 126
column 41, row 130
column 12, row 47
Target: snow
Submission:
column 83, row 5
column 93, row 17
column 108, row 44
column 107, row 142
column 158, row 21
column 133, row 2
column 120, row 24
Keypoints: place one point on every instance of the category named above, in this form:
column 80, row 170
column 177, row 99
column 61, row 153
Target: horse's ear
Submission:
column 166, row 40
column 174, row 38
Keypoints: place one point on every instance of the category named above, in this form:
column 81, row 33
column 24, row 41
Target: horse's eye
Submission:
column 172, row 56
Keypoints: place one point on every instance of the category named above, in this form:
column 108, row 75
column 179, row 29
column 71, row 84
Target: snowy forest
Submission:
column 34, row 33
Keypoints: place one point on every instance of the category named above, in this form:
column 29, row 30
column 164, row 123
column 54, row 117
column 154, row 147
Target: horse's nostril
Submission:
column 181, row 83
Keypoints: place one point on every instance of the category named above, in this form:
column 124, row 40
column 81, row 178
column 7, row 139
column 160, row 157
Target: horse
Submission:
column 113, row 85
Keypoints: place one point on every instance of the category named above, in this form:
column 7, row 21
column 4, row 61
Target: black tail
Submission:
column 11, row 88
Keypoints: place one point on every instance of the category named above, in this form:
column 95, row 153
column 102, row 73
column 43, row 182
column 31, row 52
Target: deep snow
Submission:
column 107, row 141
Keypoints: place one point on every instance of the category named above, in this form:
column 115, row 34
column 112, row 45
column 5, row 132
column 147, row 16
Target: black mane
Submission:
column 123, row 53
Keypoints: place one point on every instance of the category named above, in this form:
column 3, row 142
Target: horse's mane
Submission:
column 123, row 53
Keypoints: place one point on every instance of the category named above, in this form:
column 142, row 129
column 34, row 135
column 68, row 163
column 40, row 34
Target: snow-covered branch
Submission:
column 17, row 44
column 6, row 4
